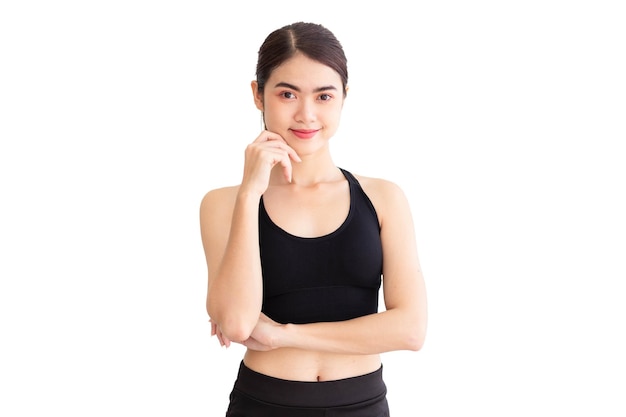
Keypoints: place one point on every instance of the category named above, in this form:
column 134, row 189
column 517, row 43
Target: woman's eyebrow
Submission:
column 293, row 87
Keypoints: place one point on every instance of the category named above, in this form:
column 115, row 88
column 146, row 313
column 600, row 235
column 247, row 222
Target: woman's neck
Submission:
column 309, row 172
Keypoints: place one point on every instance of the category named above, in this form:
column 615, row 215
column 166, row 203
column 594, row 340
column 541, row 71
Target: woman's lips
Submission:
column 304, row 133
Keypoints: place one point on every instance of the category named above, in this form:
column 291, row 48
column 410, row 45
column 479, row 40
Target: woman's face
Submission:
column 302, row 102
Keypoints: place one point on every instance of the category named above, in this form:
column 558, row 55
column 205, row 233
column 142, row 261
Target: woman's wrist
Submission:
column 285, row 334
column 245, row 195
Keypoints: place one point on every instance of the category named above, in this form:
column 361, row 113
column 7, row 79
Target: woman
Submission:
column 296, row 252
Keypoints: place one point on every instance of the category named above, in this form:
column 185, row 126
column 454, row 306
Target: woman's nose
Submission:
column 306, row 112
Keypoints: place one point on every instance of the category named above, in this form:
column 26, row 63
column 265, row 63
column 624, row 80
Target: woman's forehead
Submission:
column 305, row 73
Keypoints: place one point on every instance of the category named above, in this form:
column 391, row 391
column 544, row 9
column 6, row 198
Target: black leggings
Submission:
column 258, row 395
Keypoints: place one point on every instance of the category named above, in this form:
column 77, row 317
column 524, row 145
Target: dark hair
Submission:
column 311, row 39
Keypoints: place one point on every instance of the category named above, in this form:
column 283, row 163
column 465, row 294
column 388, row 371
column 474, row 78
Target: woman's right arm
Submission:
column 229, row 228
column 230, row 236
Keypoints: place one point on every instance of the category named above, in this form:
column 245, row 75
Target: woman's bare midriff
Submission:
column 302, row 365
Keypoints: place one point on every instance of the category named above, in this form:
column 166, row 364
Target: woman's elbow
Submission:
column 415, row 336
column 235, row 328
column 415, row 341
column 235, row 324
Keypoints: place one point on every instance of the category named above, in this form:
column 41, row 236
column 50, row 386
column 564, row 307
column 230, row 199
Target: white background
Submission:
column 504, row 122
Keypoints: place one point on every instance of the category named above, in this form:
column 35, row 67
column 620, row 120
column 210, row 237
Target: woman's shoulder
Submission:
column 386, row 195
column 222, row 198
column 375, row 186
column 222, row 192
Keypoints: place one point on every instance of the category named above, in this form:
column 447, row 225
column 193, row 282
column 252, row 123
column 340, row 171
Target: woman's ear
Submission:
column 258, row 97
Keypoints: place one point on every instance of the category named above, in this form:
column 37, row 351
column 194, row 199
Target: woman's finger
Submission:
column 279, row 142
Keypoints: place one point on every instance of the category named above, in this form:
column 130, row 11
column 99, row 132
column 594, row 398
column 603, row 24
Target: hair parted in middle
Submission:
column 311, row 39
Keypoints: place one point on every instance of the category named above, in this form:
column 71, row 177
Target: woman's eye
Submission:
column 288, row 94
column 325, row 97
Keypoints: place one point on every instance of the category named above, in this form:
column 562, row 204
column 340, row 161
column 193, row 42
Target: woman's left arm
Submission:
column 402, row 326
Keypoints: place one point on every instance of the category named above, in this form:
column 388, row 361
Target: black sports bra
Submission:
column 328, row 278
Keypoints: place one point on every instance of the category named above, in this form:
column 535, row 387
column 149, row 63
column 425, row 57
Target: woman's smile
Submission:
column 304, row 133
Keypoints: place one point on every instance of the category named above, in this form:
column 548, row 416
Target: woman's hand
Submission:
column 264, row 337
column 267, row 150
column 215, row 331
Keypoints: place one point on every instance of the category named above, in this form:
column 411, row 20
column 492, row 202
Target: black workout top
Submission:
column 328, row 278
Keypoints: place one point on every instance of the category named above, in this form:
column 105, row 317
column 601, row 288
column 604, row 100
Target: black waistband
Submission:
column 310, row 394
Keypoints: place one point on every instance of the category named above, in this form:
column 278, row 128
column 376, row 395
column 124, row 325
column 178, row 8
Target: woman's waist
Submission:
column 302, row 365
column 365, row 389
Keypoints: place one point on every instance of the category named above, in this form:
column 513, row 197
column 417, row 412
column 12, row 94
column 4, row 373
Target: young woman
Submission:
column 297, row 252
